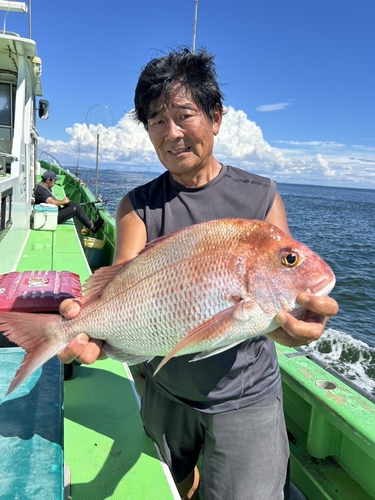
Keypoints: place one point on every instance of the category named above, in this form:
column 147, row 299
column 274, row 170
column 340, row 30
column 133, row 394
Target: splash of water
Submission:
column 349, row 356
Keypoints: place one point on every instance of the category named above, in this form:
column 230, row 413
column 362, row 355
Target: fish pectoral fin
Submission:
column 216, row 328
column 213, row 352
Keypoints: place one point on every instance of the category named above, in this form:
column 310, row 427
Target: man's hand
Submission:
column 81, row 348
column 295, row 332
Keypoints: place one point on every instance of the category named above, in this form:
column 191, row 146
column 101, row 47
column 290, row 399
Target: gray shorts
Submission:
column 245, row 451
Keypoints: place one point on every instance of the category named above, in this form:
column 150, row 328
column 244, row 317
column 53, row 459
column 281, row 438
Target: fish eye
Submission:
column 290, row 259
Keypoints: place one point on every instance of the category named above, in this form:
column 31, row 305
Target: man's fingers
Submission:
column 297, row 332
column 74, row 349
column 325, row 306
column 92, row 352
column 282, row 337
column 83, row 349
column 305, row 331
column 70, row 308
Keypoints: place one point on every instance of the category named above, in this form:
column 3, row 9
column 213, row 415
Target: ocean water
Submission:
column 338, row 224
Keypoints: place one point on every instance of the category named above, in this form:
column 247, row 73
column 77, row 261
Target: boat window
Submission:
column 6, row 106
column 5, row 211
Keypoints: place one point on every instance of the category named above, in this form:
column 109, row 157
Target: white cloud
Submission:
column 266, row 108
column 328, row 171
column 240, row 143
column 241, row 139
column 321, row 144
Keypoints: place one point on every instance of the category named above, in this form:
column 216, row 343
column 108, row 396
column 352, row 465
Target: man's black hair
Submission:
column 193, row 72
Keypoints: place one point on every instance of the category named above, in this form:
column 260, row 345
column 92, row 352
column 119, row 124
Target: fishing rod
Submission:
column 99, row 200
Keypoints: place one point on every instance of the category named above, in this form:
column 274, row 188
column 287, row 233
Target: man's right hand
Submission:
column 82, row 348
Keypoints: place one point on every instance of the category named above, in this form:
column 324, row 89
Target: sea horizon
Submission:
column 158, row 172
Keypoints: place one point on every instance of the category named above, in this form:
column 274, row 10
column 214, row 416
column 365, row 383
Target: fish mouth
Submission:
column 324, row 286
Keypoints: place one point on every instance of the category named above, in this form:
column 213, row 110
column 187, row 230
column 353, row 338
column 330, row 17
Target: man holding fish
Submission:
column 229, row 405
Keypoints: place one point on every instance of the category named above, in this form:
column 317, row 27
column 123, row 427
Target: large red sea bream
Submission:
column 201, row 290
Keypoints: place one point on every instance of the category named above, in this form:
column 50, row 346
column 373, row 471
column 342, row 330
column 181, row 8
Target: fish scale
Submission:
column 199, row 290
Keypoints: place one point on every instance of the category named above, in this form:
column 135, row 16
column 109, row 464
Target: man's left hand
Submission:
column 296, row 332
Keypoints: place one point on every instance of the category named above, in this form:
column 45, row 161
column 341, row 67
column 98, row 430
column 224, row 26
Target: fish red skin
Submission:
column 201, row 290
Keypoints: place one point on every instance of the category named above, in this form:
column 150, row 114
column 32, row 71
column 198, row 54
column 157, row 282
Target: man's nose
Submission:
column 174, row 131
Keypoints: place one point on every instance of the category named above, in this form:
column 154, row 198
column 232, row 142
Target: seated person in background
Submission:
column 67, row 210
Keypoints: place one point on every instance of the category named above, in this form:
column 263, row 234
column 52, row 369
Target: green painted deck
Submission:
column 333, row 429
column 58, row 250
column 105, row 446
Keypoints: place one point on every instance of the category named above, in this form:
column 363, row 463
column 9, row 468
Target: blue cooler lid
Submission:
column 46, row 207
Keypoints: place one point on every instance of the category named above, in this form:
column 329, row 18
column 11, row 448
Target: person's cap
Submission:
column 50, row 175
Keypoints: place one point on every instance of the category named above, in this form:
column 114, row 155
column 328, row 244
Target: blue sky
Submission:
column 298, row 76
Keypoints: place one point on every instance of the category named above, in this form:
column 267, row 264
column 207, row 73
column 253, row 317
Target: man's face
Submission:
column 182, row 134
column 50, row 182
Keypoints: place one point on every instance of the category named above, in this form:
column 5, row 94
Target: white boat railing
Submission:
column 3, row 159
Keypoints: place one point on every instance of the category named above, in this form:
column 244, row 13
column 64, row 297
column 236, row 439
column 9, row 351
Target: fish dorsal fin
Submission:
column 97, row 282
column 215, row 327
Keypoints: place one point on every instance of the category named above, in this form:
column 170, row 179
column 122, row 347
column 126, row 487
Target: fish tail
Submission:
column 31, row 332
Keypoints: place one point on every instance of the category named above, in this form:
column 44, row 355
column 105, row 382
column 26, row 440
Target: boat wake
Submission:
column 351, row 357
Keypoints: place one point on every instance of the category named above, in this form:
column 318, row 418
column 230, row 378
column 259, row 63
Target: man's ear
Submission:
column 217, row 117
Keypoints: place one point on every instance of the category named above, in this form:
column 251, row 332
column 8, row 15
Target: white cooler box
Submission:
column 45, row 217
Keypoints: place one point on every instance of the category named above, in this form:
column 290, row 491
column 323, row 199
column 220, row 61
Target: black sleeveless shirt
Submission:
column 244, row 374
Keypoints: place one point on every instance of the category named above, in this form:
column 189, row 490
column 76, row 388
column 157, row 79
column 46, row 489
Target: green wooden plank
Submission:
column 37, row 253
column 58, row 250
column 106, row 447
column 68, row 254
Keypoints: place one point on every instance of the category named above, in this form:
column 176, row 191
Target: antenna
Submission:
column 99, row 120
column 195, row 26
column 30, row 19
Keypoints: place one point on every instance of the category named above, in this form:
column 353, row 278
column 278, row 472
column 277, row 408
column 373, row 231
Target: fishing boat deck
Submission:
column 331, row 430
column 107, row 452
column 331, row 425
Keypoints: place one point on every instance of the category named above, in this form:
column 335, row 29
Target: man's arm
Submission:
column 131, row 232
column 43, row 195
column 65, row 201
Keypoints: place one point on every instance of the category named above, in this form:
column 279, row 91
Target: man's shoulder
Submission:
column 41, row 193
column 240, row 175
column 40, row 186
column 155, row 186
